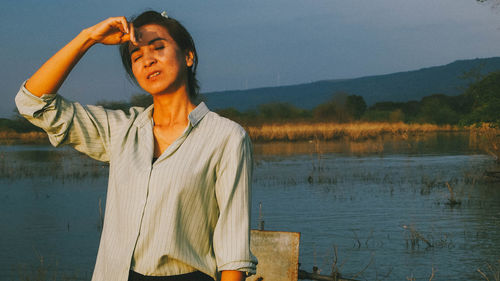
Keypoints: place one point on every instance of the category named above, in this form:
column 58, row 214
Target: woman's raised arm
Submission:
column 49, row 78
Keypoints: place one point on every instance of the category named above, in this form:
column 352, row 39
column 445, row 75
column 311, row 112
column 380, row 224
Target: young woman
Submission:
column 178, row 200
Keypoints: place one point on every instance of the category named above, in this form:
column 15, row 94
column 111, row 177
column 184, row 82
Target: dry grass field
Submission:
column 349, row 131
column 291, row 132
column 10, row 137
column 487, row 138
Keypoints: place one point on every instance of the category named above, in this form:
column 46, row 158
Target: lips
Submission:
column 153, row 74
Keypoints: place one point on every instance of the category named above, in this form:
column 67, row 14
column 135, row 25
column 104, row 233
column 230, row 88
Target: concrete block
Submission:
column 278, row 255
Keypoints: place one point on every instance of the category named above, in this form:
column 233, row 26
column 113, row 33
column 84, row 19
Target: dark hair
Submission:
column 180, row 35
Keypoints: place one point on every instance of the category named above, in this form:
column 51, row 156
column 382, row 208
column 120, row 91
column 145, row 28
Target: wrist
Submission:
column 232, row 275
column 85, row 40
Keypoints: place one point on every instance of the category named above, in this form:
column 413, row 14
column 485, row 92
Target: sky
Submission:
column 245, row 44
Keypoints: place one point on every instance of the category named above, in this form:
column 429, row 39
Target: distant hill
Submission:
column 398, row 87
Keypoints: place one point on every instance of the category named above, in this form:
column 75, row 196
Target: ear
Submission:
column 189, row 58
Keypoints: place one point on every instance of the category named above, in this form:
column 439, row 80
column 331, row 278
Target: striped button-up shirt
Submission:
column 189, row 210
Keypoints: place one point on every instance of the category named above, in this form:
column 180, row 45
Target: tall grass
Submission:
column 452, row 201
column 45, row 272
column 290, row 132
column 487, row 137
column 331, row 131
column 11, row 137
column 492, row 273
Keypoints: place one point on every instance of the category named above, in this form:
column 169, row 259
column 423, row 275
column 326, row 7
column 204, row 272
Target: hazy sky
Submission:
column 252, row 43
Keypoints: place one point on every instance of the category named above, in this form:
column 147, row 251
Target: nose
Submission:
column 149, row 62
column 149, row 59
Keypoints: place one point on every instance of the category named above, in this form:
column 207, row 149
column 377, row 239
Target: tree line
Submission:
column 479, row 103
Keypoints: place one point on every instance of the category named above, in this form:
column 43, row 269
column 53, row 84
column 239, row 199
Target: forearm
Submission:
column 232, row 275
column 49, row 78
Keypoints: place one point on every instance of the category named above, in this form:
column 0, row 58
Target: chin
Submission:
column 162, row 86
column 155, row 90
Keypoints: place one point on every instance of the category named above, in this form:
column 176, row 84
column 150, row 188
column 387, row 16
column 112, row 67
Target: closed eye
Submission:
column 137, row 58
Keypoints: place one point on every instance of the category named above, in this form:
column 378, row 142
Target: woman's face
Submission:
column 158, row 64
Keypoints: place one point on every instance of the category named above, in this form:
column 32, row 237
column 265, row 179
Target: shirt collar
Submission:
column 197, row 114
column 194, row 117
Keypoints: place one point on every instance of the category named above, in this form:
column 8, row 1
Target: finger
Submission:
column 125, row 38
column 124, row 24
column 118, row 24
column 132, row 33
column 115, row 23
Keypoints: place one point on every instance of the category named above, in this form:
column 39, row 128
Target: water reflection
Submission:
column 438, row 143
column 388, row 207
column 62, row 164
column 380, row 203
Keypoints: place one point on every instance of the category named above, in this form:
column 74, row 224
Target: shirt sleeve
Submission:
column 85, row 128
column 231, row 239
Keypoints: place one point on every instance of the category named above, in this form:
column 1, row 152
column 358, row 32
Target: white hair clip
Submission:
column 164, row 14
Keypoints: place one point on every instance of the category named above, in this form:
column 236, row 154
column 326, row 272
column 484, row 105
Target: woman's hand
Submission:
column 112, row 31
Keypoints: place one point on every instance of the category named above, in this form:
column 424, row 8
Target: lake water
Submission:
column 382, row 204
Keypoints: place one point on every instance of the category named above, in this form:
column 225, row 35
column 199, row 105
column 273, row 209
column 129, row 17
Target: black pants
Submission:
column 193, row 276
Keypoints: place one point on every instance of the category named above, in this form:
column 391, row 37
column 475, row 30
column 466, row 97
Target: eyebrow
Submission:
column 149, row 43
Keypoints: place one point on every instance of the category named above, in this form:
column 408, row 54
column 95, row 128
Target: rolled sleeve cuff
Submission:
column 50, row 112
column 246, row 266
column 31, row 105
